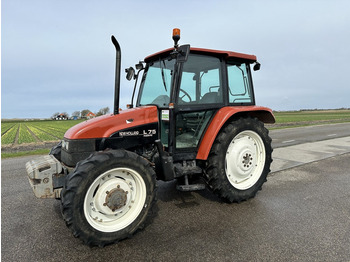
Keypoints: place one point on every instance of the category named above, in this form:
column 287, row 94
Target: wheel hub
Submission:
column 116, row 198
column 247, row 160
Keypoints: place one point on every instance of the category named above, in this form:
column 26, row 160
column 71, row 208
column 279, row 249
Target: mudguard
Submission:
column 264, row 114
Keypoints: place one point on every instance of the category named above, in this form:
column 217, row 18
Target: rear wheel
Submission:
column 109, row 196
column 239, row 160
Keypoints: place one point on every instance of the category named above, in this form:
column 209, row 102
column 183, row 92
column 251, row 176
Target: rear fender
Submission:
column 264, row 114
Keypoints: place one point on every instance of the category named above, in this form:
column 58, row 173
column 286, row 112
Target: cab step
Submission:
column 190, row 187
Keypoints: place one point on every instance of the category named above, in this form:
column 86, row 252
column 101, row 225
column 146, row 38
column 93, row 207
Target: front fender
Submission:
column 264, row 114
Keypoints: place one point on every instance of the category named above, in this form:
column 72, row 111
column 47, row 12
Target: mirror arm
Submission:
column 133, row 93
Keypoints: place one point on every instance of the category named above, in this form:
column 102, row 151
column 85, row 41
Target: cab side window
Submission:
column 239, row 87
column 200, row 81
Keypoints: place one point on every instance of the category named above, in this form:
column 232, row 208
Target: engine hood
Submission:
column 107, row 125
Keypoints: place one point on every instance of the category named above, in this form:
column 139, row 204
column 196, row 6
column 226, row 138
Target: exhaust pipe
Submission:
column 117, row 75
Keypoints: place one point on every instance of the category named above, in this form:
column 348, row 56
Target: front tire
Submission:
column 56, row 151
column 239, row 160
column 109, row 196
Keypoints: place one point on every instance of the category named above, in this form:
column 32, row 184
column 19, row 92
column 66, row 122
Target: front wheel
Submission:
column 56, row 151
column 240, row 159
column 109, row 196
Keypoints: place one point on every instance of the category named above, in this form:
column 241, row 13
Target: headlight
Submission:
column 65, row 145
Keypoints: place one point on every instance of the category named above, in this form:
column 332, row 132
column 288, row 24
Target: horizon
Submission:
column 275, row 111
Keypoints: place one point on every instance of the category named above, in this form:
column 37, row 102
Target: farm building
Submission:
column 61, row 116
column 90, row 115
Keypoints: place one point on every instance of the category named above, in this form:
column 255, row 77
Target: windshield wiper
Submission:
column 163, row 76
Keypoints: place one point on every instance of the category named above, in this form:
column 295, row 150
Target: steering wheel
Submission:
column 185, row 94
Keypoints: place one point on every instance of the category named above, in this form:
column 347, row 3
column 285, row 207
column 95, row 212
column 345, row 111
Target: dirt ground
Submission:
column 27, row 147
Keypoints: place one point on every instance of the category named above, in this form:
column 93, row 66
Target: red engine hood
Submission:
column 105, row 126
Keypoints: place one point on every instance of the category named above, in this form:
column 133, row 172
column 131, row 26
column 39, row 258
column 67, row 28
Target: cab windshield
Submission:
column 156, row 83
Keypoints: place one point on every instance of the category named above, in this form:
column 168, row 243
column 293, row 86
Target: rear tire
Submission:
column 109, row 196
column 239, row 160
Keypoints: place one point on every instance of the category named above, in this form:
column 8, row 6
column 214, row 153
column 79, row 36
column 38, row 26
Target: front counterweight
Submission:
column 40, row 174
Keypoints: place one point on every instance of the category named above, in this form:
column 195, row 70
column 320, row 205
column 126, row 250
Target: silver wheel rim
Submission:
column 115, row 199
column 245, row 159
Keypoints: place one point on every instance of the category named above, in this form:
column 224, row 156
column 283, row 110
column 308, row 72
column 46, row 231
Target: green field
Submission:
column 23, row 132
column 303, row 118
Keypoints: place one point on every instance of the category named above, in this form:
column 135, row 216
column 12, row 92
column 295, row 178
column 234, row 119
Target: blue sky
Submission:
column 56, row 56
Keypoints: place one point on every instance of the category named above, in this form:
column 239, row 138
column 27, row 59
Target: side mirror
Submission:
column 139, row 66
column 130, row 73
column 256, row 66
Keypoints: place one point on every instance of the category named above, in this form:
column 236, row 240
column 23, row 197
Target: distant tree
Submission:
column 84, row 112
column 55, row 115
column 76, row 113
column 103, row 111
column 65, row 114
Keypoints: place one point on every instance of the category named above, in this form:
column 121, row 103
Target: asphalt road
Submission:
column 295, row 136
column 302, row 214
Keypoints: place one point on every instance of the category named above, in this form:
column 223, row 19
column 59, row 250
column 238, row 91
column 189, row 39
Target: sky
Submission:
column 57, row 56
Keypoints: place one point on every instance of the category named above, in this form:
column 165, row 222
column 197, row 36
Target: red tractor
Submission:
column 194, row 117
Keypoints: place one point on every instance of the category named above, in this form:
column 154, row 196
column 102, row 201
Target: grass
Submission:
column 306, row 118
column 44, row 151
column 302, row 116
column 17, row 133
column 32, row 131
column 24, row 135
column 8, row 136
column 5, row 127
column 41, row 134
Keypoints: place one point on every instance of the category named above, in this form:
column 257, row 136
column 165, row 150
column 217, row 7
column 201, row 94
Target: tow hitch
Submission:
column 44, row 176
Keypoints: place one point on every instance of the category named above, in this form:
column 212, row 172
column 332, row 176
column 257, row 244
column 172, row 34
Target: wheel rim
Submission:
column 245, row 159
column 115, row 199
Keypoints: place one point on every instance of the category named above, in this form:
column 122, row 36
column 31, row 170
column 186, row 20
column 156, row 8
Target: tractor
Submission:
column 194, row 120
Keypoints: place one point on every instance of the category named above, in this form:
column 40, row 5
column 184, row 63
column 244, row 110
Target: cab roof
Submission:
column 212, row 52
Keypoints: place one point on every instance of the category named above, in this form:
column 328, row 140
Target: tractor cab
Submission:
column 189, row 86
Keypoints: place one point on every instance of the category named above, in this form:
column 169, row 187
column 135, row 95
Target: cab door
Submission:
column 199, row 95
